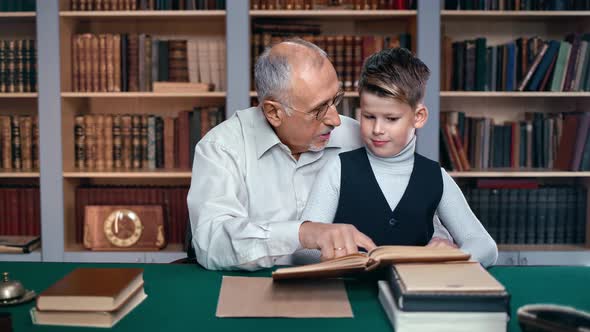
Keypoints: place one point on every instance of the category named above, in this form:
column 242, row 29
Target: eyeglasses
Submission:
column 320, row 111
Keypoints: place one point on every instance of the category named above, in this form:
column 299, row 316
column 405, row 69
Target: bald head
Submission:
column 274, row 68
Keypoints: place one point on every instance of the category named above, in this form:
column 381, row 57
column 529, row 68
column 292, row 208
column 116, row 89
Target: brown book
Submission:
column 126, row 139
column 6, row 138
column 3, row 65
column 117, row 63
column 35, row 143
column 86, row 289
column 90, row 142
column 110, row 63
column 565, row 155
column 100, row 142
column 26, row 127
column 117, row 142
column 75, row 63
column 87, row 40
column 95, row 63
column 133, row 62
column 108, row 141
column 380, row 256
column 102, row 63
column 169, row 143
column 177, row 60
column 137, row 149
column 80, row 141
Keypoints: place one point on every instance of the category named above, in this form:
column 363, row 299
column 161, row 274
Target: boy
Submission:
column 385, row 189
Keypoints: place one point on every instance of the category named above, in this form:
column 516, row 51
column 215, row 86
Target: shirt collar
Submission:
column 266, row 137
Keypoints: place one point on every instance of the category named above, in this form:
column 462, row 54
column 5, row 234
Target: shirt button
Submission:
column 393, row 221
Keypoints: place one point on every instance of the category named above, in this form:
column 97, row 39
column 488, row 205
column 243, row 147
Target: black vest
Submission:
column 363, row 204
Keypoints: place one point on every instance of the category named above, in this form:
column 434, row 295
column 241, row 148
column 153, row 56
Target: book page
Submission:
column 334, row 267
column 400, row 254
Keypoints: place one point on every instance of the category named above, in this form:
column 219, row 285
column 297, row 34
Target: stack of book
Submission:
column 457, row 296
column 85, row 298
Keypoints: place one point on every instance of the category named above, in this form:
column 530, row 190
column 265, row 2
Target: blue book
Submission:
column 543, row 66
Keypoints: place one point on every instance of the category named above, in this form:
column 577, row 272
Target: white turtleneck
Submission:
column 393, row 175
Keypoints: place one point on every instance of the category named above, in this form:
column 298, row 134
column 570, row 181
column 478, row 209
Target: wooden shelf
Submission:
column 77, row 253
column 512, row 94
column 219, row 94
column 19, row 95
column 501, row 173
column 542, row 247
column 17, row 14
column 34, row 256
column 143, row 14
column 141, row 174
column 336, row 14
column 347, row 94
column 511, row 14
column 18, row 174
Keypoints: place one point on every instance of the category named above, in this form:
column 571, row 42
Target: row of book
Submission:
column 332, row 4
column 17, row 5
column 347, row 52
column 19, row 142
column 20, row 210
column 517, row 5
column 542, row 140
column 141, row 141
column 98, row 5
column 526, row 64
column 18, row 66
column 172, row 198
column 542, row 215
column 134, row 62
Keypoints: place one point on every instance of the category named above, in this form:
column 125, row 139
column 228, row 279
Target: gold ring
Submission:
column 339, row 248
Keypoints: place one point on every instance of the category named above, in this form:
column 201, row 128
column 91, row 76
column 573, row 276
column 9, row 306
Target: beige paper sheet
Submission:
column 260, row 297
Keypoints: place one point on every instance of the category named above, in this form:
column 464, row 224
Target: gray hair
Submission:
column 272, row 72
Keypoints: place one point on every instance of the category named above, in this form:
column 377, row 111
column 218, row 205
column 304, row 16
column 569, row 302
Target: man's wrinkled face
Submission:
column 313, row 87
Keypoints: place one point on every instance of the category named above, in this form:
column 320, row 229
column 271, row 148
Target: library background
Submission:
column 102, row 102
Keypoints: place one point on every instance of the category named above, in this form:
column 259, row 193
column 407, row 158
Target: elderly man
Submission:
column 252, row 174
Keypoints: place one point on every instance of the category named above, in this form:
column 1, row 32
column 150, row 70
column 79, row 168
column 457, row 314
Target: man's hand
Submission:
column 334, row 240
column 439, row 242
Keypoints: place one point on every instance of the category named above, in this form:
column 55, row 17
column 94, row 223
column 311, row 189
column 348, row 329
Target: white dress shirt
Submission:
column 247, row 191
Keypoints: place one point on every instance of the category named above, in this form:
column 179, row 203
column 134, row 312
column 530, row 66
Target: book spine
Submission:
column 80, row 141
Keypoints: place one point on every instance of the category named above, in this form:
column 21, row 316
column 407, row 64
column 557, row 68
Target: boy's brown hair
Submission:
column 395, row 73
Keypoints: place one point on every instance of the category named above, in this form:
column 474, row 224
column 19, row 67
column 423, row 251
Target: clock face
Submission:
column 123, row 228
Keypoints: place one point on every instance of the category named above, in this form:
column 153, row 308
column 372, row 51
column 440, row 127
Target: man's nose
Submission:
column 332, row 118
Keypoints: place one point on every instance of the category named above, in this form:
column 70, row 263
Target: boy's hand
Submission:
column 439, row 242
column 334, row 240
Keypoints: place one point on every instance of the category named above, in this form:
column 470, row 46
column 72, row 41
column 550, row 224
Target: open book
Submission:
column 384, row 255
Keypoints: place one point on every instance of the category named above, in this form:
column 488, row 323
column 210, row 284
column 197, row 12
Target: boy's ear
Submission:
column 274, row 115
column 420, row 116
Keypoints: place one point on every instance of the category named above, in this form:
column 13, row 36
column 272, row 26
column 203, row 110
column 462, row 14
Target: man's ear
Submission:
column 420, row 116
column 274, row 115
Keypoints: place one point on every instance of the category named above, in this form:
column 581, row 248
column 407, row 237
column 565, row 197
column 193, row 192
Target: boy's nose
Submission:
column 377, row 128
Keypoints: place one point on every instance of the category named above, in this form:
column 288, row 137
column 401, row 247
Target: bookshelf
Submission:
column 169, row 25
column 500, row 27
column 17, row 28
column 59, row 104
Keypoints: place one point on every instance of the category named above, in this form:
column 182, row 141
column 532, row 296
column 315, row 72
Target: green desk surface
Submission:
column 184, row 298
